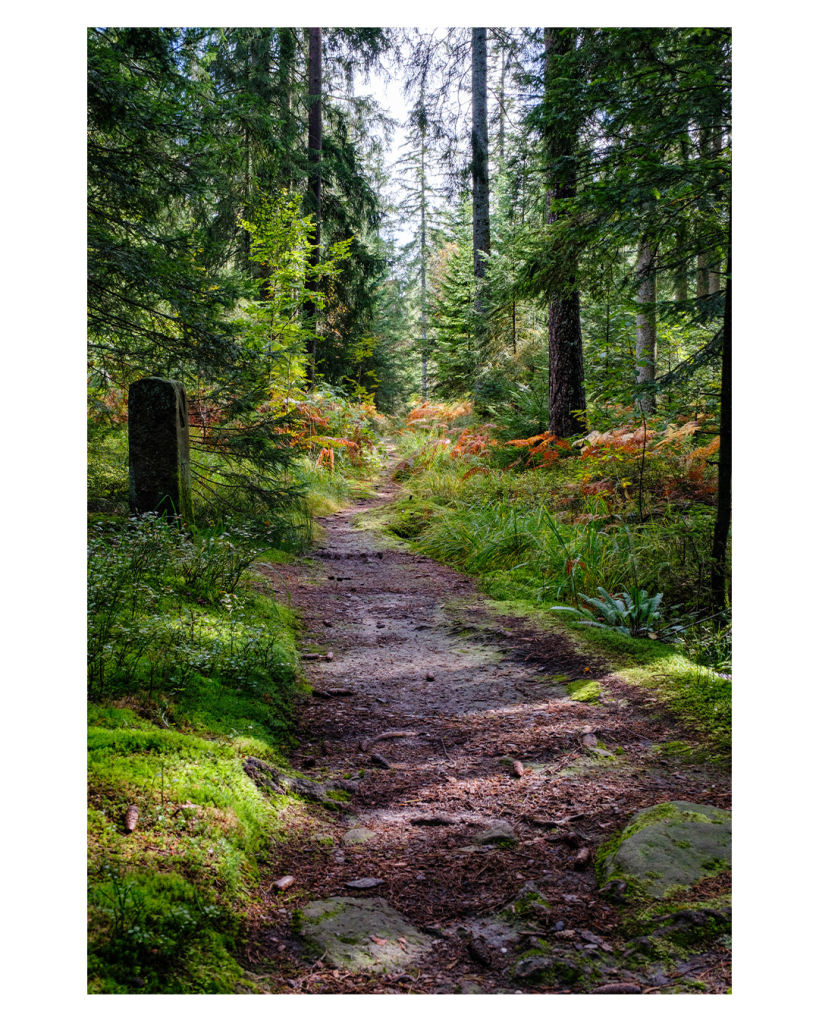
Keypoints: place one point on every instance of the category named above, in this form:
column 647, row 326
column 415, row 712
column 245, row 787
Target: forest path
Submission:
column 478, row 697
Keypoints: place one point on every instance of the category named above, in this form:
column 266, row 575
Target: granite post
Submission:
column 159, row 448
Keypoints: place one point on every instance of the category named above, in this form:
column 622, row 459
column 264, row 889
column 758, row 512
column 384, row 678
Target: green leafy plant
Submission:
column 632, row 612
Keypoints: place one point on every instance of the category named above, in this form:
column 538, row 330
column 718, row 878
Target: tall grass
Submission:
column 493, row 521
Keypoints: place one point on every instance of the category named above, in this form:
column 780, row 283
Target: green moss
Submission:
column 152, row 932
column 585, row 690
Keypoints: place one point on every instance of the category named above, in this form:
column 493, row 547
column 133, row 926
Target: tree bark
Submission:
column 702, row 277
column 719, row 574
column 567, row 394
column 314, row 175
column 480, row 162
column 646, row 347
column 424, row 354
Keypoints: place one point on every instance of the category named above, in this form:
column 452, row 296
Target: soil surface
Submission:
column 484, row 730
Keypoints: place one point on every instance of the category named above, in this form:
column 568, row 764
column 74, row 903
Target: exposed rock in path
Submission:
column 345, row 928
column 357, row 837
column 671, row 844
column 498, row 832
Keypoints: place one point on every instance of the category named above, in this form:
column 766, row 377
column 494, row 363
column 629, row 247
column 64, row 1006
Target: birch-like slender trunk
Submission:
column 424, row 353
column 480, row 164
column 314, row 174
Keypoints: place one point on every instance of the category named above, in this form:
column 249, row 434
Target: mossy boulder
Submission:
column 668, row 846
column 566, row 969
column 346, row 929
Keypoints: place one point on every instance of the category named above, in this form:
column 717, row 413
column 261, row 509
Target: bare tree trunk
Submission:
column 314, row 160
column 502, row 111
column 567, row 394
column 719, row 573
column 480, row 163
column 702, row 277
column 424, row 354
column 646, row 348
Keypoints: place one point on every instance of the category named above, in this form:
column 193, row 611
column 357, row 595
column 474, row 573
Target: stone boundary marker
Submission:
column 159, row 468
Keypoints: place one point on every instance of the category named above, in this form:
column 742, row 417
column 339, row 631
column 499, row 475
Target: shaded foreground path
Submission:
column 490, row 735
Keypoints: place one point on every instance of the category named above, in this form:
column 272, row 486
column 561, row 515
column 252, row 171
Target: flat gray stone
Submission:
column 672, row 844
column 345, row 928
column 357, row 836
column 498, row 831
column 364, row 883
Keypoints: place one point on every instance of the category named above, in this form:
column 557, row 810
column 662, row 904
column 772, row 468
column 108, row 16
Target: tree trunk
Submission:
column 424, row 353
column 567, row 395
column 719, row 575
column 702, row 277
column 501, row 111
column 480, row 163
column 284, row 87
column 646, row 348
column 314, row 161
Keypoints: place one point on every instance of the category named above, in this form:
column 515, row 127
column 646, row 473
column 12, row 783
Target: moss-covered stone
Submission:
column 585, row 690
column 667, row 846
column 565, row 970
column 346, row 928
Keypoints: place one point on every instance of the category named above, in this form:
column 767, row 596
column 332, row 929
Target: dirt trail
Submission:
column 479, row 697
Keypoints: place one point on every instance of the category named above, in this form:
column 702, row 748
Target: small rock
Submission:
column 618, row 988
column 327, row 623
column 430, row 677
column 498, row 831
column 364, row 883
column 380, row 625
column 558, row 926
column 357, row 836
column 328, row 656
column 433, row 819
column 284, row 883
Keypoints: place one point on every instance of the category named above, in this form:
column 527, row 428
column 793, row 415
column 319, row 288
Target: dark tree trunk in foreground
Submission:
column 719, row 574
column 480, row 162
column 567, row 395
column 314, row 159
column 646, row 347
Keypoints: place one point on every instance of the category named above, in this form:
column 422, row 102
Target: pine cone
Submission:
column 131, row 818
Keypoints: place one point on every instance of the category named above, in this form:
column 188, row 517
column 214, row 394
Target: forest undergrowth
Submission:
column 192, row 667
column 193, row 664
